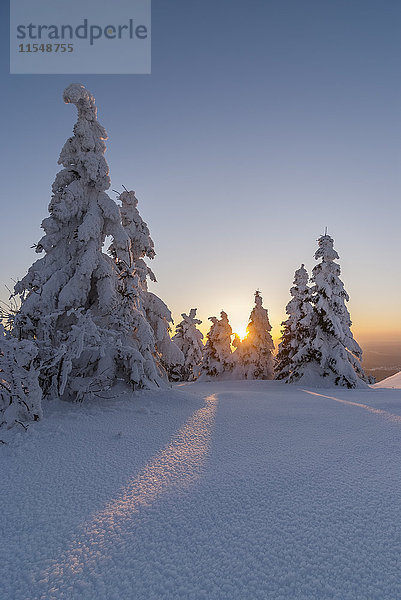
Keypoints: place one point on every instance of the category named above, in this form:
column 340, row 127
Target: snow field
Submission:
column 220, row 490
column 391, row 382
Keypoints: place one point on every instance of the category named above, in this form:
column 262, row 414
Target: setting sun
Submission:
column 241, row 331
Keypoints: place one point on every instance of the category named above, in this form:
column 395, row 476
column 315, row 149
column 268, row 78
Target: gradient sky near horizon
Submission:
column 262, row 123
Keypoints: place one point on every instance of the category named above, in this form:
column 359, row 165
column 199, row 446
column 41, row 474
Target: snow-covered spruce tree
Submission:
column 69, row 297
column 254, row 354
column 139, row 310
column 189, row 340
column 141, row 245
column 217, row 356
column 294, row 348
column 159, row 316
column 20, row 393
column 335, row 356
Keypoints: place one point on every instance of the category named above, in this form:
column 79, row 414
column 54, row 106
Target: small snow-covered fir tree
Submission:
column 189, row 340
column 294, row 348
column 74, row 284
column 217, row 356
column 254, row 354
column 20, row 393
column 335, row 356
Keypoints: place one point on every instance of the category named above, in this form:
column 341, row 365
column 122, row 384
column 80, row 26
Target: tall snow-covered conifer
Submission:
column 334, row 354
column 69, row 297
column 189, row 340
column 254, row 358
column 217, row 356
column 144, row 313
column 138, row 347
column 294, row 348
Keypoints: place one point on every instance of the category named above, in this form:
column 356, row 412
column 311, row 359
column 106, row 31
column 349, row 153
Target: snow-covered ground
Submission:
column 216, row 491
column 393, row 382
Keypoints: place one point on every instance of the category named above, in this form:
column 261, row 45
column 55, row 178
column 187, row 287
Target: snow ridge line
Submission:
column 176, row 467
column 377, row 411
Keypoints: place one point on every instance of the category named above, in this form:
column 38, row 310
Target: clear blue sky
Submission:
column 262, row 122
